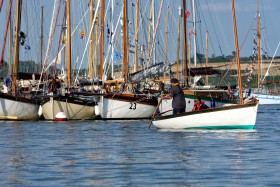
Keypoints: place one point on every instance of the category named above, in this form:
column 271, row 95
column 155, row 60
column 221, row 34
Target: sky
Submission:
column 215, row 16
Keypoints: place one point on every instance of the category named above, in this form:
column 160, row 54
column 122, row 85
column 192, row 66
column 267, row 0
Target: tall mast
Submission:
column 259, row 47
column 154, row 36
column 90, row 64
column 10, row 56
column 102, row 38
column 42, row 38
column 69, row 43
column 112, row 29
column 6, row 31
column 16, row 52
column 194, row 37
column 1, row 3
column 166, row 41
column 136, row 36
column 206, row 58
column 125, row 53
column 237, row 53
column 149, row 32
column 178, row 44
column 185, row 74
column 96, row 41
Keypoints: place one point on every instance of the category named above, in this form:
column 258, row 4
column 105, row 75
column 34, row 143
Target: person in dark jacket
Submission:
column 199, row 105
column 177, row 94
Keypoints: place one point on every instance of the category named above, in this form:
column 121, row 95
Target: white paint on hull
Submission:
column 238, row 117
column 73, row 111
column 116, row 109
column 19, row 110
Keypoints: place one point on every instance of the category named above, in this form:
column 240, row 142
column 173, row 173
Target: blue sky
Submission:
column 212, row 15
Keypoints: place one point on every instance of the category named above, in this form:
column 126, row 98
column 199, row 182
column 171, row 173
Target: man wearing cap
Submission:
column 176, row 92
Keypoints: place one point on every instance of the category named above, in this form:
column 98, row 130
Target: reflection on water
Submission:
column 127, row 153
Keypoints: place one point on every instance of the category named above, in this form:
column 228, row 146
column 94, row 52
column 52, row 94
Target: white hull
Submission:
column 18, row 110
column 265, row 99
column 227, row 117
column 73, row 111
column 118, row 109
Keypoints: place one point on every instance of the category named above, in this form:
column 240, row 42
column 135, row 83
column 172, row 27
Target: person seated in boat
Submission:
column 177, row 94
column 199, row 105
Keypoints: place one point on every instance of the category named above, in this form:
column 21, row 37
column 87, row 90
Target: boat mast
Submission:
column 125, row 55
column 96, row 41
column 185, row 74
column 149, row 34
column 259, row 47
column 237, row 53
column 154, row 36
column 69, row 43
column 136, row 35
column 42, row 38
column 166, row 42
column 178, row 44
column 16, row 52
column 6, row 31
column 102, row 38
column 90, row 64
column 112, row 34
column 194, row 37
column 206, row 58
column 1, row 3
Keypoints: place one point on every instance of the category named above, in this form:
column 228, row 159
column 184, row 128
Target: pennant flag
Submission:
column 82, row 33
column 192, row 32
column 27, row 47
column 187, row 14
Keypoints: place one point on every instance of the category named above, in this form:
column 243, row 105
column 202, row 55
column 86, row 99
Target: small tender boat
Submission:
column 232, row 116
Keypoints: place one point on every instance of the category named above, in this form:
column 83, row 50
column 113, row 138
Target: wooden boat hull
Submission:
column 73, row 109
column 15, row 108
column 126, row 106
column 233, row 116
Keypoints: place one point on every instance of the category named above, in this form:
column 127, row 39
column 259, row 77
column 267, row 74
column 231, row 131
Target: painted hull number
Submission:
column 132, row 106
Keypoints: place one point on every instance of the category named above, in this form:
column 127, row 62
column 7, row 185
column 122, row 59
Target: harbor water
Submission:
column 127, row 153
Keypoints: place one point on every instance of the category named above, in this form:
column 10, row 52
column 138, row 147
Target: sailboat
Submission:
column 233, row 116
column 72, row 105
column 262, row 93
column 127, row 103
column 13, row 105
column 212, row 95
column 265, row 95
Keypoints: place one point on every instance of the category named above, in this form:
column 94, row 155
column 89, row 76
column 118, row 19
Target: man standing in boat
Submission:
column 177, row 94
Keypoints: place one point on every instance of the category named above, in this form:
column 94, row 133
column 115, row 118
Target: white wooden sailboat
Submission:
column 14, row 107
column 126, row 104
column 262, row 93
column 241, row 116
column 233, row 116
column 75, row 106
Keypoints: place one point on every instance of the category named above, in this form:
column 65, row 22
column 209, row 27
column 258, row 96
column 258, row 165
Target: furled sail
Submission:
column 151, row 72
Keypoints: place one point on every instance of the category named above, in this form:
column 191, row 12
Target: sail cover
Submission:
column 151, row 72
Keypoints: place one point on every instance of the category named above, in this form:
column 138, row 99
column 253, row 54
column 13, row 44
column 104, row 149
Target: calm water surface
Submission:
column 127, row 153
